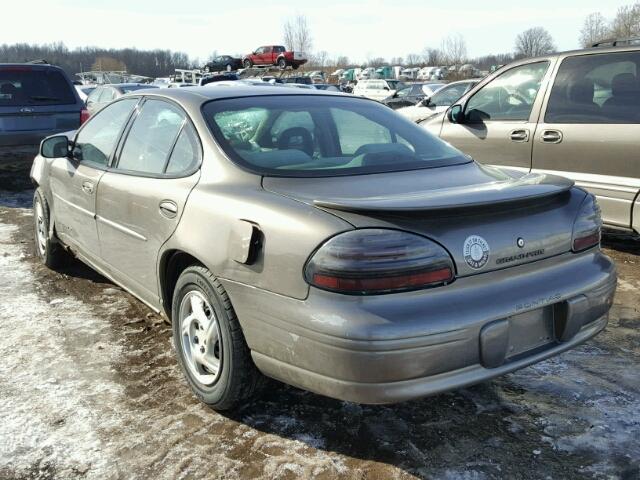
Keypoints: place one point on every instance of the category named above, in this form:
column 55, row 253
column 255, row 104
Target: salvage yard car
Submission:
column 377, row 89
column 411, row 94
column 322, row 240
column 104, row 94
column 437, row 102
column 274, row 55
column 575, row 114
column 36, row 100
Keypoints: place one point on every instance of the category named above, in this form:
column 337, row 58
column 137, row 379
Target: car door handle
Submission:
column 519, row 135
column 168, row 208
column 551, row 136
column 87, row 187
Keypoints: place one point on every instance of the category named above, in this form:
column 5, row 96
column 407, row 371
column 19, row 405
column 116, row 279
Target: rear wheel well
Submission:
column 173, row 263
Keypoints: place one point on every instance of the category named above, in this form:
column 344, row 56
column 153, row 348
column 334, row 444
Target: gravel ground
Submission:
column 90, row 388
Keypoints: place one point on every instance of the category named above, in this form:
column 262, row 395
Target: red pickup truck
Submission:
column 274, row 55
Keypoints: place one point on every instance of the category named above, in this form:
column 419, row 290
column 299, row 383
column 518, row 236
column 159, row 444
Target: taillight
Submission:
column 84, row 115
column 587, row 226
column 370, row 261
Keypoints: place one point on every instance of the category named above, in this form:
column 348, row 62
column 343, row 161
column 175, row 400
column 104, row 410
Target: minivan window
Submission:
column 510, row 96
column 448, row 95
column 23, row 85
column 325, row 136
column 97, row 139
column 603, row 88
column 151, row 137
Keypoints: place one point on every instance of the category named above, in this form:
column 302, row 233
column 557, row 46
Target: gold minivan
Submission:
column 575, row 114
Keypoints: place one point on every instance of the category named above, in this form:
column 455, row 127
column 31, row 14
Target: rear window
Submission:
column 313, row 136
column 30, row 86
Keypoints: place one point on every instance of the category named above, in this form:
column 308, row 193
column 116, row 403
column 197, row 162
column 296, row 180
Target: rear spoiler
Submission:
column 528, row 187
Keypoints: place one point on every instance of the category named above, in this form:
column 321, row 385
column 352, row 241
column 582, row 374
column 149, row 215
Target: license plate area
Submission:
column 530, row 331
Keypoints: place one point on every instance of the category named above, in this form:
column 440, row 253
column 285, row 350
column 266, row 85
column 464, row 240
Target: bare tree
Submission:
column 454, row 49
column 627, row 21
column 533, row 42
column 413, row 59
column 342, row 61
column 109, row 63
column 376, row 62
column 320, row 59
column 432, row 56
column 297, row 34
column 396, row 61
column 594, row 28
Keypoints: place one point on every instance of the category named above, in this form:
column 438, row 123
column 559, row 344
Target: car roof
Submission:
column 580, row 51
column 194, row 97
column 34, row 66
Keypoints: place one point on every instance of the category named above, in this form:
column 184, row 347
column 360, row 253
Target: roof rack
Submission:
column 39, row 61
column 617, row 42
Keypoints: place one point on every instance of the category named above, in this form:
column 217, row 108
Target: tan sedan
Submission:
column 322, row 240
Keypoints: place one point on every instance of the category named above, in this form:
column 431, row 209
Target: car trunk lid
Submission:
column 486, row 218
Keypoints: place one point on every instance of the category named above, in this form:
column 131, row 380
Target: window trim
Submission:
column 113, row 166
column 99, row 166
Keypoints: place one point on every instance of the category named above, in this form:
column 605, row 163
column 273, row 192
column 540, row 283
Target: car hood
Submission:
column 451, row 205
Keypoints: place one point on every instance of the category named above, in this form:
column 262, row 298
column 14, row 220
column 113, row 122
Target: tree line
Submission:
column 625, row 24
column 150, row 63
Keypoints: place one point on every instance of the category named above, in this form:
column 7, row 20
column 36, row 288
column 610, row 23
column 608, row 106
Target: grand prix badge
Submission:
column 476, row 251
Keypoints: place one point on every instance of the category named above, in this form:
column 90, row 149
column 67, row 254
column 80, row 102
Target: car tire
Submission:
column 208, row 337
column 282, row 63
column 247, row 63
column 295, row 67
column 47, row 249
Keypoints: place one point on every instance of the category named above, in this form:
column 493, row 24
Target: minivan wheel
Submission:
column 48, row 250
column 282, row 63
column 211, row 348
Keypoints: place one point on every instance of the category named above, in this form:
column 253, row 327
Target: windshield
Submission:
column 395, row 84
column 317, row 135
column 29, row 86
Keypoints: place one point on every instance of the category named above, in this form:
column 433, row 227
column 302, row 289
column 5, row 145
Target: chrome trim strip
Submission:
column 77, row 207
column 121, row 228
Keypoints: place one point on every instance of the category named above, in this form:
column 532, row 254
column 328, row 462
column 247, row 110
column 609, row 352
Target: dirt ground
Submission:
column 90, row 388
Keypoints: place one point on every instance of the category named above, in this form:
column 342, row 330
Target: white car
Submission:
column 442, row 99
column 377, row 89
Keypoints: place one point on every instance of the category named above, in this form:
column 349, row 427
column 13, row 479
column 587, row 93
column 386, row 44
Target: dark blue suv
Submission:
column 36, row 100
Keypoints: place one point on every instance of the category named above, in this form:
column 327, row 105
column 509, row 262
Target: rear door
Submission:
column 74, row 182
column 501, row 117
column 35, row 101
column 590, row 130
column 141, row 200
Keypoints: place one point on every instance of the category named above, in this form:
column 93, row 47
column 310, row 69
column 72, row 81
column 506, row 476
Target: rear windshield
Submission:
column 314, row 135
column 29, row 86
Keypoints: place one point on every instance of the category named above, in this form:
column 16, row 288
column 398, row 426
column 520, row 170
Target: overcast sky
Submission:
column 360, row 29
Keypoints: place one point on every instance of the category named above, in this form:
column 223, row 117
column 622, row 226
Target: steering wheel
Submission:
column 303, row 140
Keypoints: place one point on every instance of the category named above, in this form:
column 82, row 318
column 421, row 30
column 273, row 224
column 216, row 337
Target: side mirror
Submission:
column 387, row 88
column 426, row 102
column 456, row 114
column 55, row 147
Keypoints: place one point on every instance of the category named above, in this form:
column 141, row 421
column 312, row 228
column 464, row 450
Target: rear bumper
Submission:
column 390, row 348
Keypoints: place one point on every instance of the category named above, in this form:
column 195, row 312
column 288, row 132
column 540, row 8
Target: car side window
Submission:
column 151, row 137
column 355, row 130
column 448, row 95
column 508, row 97
column 186, row 152
column 98, row 137
column 602, row 88
column 404, row 92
